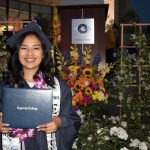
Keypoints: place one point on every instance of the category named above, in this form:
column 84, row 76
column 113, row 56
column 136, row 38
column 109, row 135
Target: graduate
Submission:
column 30, row 67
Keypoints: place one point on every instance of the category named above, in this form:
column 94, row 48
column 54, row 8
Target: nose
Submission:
column 30, row 51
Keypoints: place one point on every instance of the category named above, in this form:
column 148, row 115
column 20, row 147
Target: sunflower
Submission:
column 87, row 72
column 78, row 85
column 88, row 91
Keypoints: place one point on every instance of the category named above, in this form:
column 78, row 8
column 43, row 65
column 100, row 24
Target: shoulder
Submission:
column 65, row 90
column 63, row 84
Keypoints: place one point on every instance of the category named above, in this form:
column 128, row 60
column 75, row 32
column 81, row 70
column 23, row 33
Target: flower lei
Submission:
column 24, row 134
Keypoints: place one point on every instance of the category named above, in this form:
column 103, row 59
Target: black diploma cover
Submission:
column 26, row 108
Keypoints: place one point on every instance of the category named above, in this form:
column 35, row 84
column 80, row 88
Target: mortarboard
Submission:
column 32, row 26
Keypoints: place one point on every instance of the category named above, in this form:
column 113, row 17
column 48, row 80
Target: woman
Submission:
column 29, row 67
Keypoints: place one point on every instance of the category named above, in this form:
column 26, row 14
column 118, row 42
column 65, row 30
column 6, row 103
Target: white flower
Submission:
column 113, row 130
column 142, row 146
column 117, row 118
column 74, row 145
column 89, row 138
column 132, row 116
column 124, row 116
column 143, row 126
column 98, row 131
column 122, row 134
column 81, row 115
column 114, row 119
column 106, row 138
column 86, row 83
column 102, row 95
column 136, row 43
column 148, row 138
column 124, row 124
column 72, row 92
column 104, row 116
column 124, row 148
column 134, row 143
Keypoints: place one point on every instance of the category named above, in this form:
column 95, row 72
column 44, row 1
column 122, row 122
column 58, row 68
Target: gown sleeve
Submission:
column 70, row 120
column 1, row 87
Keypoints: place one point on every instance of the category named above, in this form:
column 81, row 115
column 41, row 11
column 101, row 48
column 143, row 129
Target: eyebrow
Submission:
column 33, row 45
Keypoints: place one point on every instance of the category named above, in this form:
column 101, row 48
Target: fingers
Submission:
column 1, row 115
column 4, row 128
column 48, row 128
column 51, row 126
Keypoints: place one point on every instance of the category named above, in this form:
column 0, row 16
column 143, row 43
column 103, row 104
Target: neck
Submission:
column 28, row 75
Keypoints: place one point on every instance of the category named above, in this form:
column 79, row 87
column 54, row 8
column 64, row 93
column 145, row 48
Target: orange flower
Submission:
column 77, row 97
column 71, row 81
column 100, row 84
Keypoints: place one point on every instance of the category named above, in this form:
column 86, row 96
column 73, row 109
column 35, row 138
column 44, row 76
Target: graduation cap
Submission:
column 32, row 26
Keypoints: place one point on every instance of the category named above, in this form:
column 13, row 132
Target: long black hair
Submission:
column 15, row 69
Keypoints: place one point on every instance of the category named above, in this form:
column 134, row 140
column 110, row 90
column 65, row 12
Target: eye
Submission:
column 37, row 48
column 23, row 48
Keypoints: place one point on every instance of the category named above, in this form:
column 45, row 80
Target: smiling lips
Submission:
column 30, row 60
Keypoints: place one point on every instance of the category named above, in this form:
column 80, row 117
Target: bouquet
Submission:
column 84, row 77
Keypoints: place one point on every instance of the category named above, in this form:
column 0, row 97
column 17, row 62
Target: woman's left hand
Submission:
column 51, row 126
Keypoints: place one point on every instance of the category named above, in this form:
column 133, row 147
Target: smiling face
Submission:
column 30, row 53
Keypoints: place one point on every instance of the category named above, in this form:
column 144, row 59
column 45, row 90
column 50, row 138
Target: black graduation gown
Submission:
column 70, row 123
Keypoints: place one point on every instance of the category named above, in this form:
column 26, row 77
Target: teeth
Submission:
column 30, row 59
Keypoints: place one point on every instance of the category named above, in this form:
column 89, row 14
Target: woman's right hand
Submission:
column 4, row 128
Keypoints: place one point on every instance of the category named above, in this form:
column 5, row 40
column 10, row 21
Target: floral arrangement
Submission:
column 83, row 76
column 109, row 127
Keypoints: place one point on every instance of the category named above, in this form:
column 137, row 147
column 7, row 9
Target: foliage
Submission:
column 56, row 27
column 3, row 57
column 85, row 80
